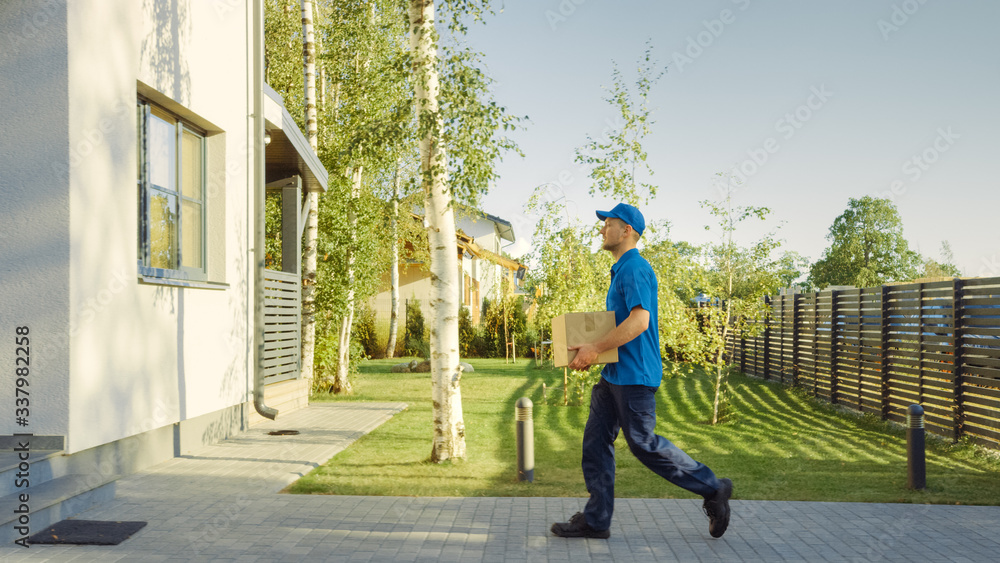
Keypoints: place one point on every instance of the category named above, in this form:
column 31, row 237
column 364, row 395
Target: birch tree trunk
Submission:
column 390, row 347
column 341, row 384
column 729, row 301
column 312, row 221
column 449, row 427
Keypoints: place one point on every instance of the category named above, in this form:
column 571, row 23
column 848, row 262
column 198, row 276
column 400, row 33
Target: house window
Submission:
column 171, row 189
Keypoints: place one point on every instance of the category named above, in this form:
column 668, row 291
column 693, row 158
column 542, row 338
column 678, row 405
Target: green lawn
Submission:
column 776, row 444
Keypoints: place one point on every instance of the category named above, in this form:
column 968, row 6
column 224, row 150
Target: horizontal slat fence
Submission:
column 282, row 322
column 879, row 350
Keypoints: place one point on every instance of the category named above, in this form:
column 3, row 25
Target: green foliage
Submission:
column 466, row 332
column 272, row 232
column 616, row 160
column 526, row 341
column 681, row 278
column 739, row 279
column 495, row 313
column 283, row 54
column 325, row 361
column 867, row 247
column 415, row 335
column 943, row 269
column 481, row 345
column 567, row 274
column 473, row 125
column 364, row 333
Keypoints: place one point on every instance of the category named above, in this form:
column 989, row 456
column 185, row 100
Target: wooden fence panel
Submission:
column 805, row 344
column 882, row 349
column 870, row 346
column 824, row 345
column 977, row 312
column 921, row 327
column 846, row 349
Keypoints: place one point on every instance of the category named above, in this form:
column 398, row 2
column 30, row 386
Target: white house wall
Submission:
column 34, row 210
column 144, row 356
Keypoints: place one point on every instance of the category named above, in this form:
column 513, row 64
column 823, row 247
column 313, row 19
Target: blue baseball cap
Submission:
column 626, row 213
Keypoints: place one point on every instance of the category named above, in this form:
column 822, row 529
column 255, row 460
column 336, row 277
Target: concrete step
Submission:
column 51, row 501
column 43, row 465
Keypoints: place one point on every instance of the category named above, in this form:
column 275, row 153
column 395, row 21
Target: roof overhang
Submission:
column 466, row 243
column 289, row 154
column 504, row 228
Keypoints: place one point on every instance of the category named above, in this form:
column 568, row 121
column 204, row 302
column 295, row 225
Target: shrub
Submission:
column 363, row 332
column 325, row 361
column 466, row 332
column 526, row 342
column 415, row 338
column 493, row 323
column 481, row 346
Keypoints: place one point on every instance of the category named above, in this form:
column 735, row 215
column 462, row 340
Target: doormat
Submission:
column 86, row 532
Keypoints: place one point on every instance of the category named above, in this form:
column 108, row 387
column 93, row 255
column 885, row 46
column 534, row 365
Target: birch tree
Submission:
column 312, row 220
column 617, row 161
column 458, row 141
column 739, row 281
column 446, row 393
column 371, row 117
column 390, row 345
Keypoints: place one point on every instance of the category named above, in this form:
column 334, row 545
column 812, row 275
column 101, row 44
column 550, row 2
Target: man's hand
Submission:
column 586, row 354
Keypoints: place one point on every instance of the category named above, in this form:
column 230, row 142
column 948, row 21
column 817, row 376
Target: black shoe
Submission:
column 577, row 527
column 717, row 509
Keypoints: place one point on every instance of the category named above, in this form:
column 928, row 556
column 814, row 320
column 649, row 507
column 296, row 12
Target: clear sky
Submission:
column 843, row 98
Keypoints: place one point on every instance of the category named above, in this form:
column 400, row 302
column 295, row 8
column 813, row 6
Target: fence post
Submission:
column 833, row 346
column 767, row 339
column 795, row 339
column 815, row 342
column 920, row 343
column 860, row 337
column 743, row 354
column 884, row 350
column 958, row 344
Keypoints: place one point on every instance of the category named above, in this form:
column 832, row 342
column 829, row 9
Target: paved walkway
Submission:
column 223, row 505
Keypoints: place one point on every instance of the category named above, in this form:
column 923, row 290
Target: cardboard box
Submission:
column 574, row 329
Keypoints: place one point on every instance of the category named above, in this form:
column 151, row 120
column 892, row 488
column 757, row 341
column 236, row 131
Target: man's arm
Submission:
column 634, row 325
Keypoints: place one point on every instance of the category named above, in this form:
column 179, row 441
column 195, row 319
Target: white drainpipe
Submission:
column 258, row 213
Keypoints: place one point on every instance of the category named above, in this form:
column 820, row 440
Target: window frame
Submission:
column 145, row 111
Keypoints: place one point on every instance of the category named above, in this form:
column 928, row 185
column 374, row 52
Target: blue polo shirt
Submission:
column 633, row 283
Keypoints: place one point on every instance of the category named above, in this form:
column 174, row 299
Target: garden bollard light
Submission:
column 915, row 461
column 525, row 434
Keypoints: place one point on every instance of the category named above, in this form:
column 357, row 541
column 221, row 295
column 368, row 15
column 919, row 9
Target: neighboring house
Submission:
column 133, row 180
column 479, row 242
column 483, row 264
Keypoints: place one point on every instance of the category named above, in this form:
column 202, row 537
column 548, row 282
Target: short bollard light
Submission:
column 525, row 434
column 916, row 468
